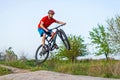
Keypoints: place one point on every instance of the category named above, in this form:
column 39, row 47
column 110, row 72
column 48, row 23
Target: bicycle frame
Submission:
column 52, row 40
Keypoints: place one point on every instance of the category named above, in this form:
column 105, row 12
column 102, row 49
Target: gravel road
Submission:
column 20, row 74
column 48, row 75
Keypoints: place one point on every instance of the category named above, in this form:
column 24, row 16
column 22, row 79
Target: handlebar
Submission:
column 57, row 26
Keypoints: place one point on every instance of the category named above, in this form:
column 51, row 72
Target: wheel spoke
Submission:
column 41, row 56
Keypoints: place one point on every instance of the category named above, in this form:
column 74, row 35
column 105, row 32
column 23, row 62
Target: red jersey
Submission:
column 47, row 21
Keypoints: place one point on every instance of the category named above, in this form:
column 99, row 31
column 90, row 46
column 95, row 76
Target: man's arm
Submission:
column 42, row 26
column 60, row 22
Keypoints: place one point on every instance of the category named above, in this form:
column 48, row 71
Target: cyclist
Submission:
column 44, row 23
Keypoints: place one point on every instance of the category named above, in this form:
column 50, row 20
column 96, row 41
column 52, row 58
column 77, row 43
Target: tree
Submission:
column 99, row 37
column 77, row 48
column 114, row 33
column 10, row 55
column 23, row 57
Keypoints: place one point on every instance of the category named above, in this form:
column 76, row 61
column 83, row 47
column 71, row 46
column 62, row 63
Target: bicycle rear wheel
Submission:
column 41, row 56
column 64, row 39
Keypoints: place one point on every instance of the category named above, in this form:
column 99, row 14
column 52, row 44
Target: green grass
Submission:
column 4, row 71
column 99, row 68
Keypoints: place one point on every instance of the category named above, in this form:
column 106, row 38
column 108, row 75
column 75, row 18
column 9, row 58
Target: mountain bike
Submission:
column 42, row 53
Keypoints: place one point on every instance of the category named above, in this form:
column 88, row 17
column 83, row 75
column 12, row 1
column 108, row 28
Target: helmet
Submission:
column 51, row 12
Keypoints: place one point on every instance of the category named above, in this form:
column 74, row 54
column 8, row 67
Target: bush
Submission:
column 105, row 69
column 4, row 71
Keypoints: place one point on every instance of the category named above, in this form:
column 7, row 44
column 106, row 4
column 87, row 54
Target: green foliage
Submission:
column 18, row 64
column 78, row 48
column 101, row 68
column 99, row 37
column 9, row 50
column 114, row 33
column 105, row 69
column 4, row 71
column 10, row 55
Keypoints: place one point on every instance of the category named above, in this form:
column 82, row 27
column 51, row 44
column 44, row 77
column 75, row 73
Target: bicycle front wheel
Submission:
column 64, row 39
column 41, row 56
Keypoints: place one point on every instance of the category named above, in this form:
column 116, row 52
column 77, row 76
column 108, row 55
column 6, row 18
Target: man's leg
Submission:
column 42, row 34
column 43, row 39
column 43, row 44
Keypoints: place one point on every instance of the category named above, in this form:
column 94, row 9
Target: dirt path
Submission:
column 15, row 70
column 21, row 74
column 48, row 75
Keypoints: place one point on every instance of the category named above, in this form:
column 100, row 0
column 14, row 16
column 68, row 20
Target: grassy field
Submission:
column 100, row 68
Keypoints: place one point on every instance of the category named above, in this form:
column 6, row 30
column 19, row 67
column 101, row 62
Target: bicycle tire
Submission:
column 64, row 39
column 37, row 55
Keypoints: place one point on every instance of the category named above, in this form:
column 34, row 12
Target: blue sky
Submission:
column 19, row 20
